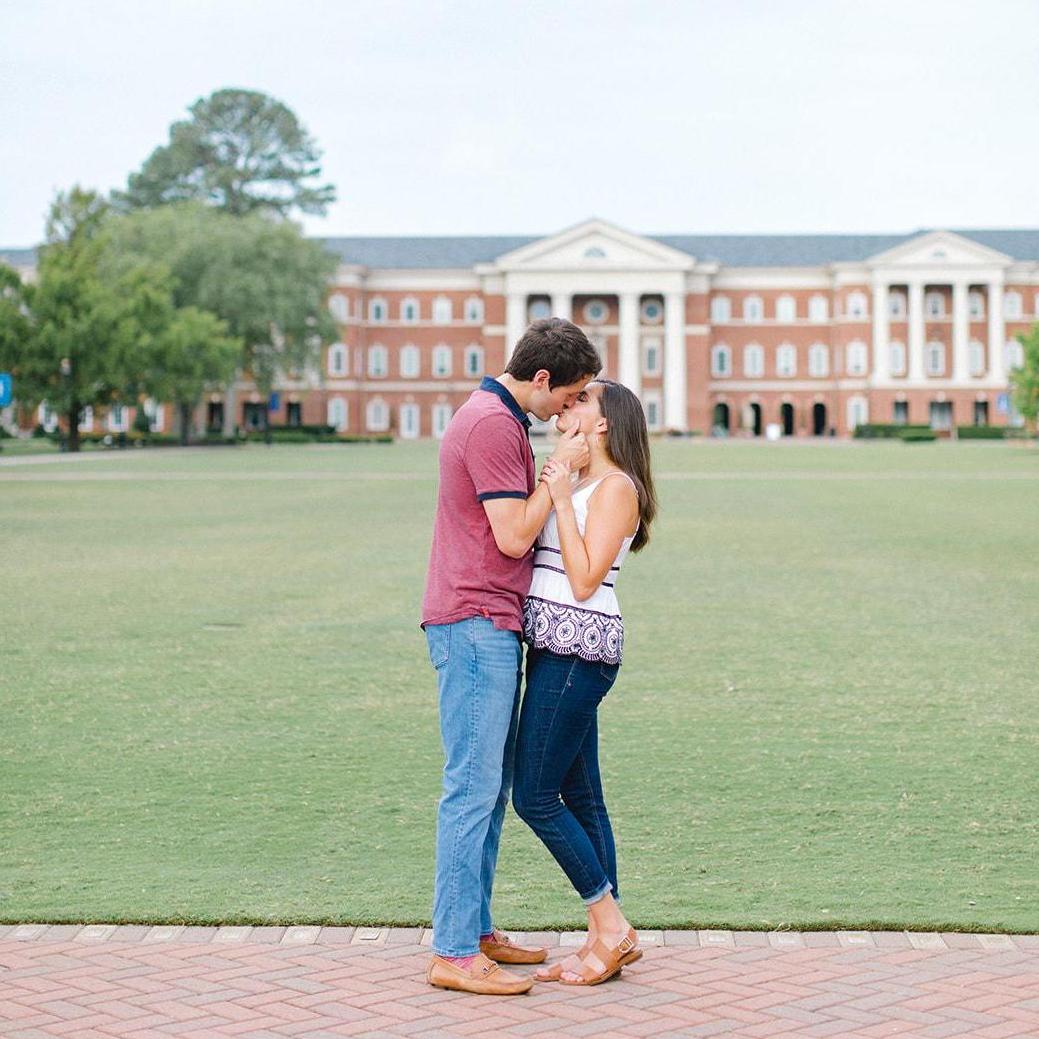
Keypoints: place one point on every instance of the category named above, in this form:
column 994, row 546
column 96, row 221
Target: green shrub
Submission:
column 981, row 432
column 889, row 430
column 917, row 436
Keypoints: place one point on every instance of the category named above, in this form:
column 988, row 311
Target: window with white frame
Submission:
column 86, row 419
column 721, row 309
column 856, row 305
column 377, row 415
column 409, row 421
column 786, row 308
column 337, row 412
column 156, row 415
column 753, row 309
column 117, row 419
column 897, row 305
column 378, row 361
column 1012, row 305
column 819, row 360
column 474, row 309
column 652, row 406
column 598, row 340
column 897, row 355
column 339, row 307
column 442, row 310
column 337, row 359
column 856, row 358
column 721, row 360
column 538, row 310
column 409, row 310
column 410, row 361
column 441, row 361
column 976, row 357
column 818, row 309
column 1014, row 354
column 651, row 356
column 753, row 360
column 652, row 312
column 47, row 417
column 934, row 304
column 474, row 361
column 935, row 358
column 786, row 360
column 858, row 412
column 441, row 417
column 976, row 303
column 377, row 310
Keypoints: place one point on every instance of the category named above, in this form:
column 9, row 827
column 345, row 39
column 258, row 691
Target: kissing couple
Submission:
column 519, row 559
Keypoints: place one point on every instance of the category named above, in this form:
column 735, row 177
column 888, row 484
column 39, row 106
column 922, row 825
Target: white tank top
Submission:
column 553, row 618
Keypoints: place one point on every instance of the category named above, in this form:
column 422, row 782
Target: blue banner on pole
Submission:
column 5, row 389
column 1003, row 404
column 275, row 402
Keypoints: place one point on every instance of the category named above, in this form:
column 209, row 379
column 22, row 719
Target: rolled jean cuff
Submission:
column 441, row 952
column 603, row 891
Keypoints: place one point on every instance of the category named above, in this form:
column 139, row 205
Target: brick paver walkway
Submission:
column 313, row 982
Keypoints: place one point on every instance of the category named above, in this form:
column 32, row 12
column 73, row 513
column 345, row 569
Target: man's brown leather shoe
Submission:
column 503, row 949
column 484, row 977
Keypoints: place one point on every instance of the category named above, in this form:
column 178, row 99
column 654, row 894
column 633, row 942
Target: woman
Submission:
column 575, row 635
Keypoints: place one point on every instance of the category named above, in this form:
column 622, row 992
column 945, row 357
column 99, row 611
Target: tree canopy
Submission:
column 1024, row 380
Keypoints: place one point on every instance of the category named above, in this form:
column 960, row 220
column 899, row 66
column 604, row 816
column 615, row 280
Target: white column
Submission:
column 960, row 333
column 675, row 388
column 997, row 365
column 916, row 331
column 630, row 367
column 881, row 332
column 561, row 305
column 515, row 321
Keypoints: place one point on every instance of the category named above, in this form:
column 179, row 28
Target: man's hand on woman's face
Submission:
column 572, row 449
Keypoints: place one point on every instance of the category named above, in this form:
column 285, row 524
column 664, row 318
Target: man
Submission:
column 489, row 512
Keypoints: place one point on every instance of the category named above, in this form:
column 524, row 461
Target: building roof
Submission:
column 806, row 250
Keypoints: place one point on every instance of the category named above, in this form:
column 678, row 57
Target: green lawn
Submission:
column 218, row 708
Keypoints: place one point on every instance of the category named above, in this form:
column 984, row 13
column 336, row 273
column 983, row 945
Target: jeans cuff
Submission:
column 603, row 891
column 441, row 952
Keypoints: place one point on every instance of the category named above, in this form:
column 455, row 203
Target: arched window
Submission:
column 753, row 309
column 753, row 361
column 786, row 308
column 1012, row 305
column 337, row 412
column 819, row 360
column 339, row 307
column 156, row 415
column 409, row 310
column 935, row 358
column 410, row 361
column 337, row 359
column 858, row 412
column 934, row 304
column 818, row 309
column 474, row 309
column 442, row 310
column 117, row 419
column 896, row 305
column 377, row 415
column 897, row 353
column 856, row 305
column 409, row 421
column 474, row 361
column 377, row 310
column 856, row 358
column 441, row 417
column 976, row 303
column 976, row 357
column 441, row 361
column 721, row 309
column 1014, row 354
column 378, row 361
column 786, row 360
column 721, row 360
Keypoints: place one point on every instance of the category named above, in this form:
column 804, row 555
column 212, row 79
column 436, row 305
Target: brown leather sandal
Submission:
column 555, row 970
column 613, row 960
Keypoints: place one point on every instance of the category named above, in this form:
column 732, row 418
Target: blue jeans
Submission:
column 478, row 674
column 558, row 787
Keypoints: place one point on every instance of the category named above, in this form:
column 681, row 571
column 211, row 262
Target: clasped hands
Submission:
column 570, row 455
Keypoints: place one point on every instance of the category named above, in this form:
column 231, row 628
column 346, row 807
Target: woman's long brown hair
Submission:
column 627, row 444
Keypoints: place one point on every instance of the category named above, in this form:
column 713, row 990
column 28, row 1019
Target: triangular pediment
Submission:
column 594, row 245
column 938, row 249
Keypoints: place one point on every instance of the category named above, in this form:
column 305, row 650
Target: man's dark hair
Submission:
column 559, row 347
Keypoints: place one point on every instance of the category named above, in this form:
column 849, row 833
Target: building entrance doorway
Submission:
column 786, row 413
column 941, row 414
column 818, row 420
column 253, row 415
column 981, row 413
column 755, row 419
column 720, row 420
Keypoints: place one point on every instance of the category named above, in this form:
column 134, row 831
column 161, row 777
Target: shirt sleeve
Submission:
column 495, row 459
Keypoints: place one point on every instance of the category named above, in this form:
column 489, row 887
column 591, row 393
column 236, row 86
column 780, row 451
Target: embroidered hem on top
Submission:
column 570, row 630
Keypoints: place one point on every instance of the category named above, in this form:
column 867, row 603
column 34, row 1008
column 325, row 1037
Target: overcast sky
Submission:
column 525, row 117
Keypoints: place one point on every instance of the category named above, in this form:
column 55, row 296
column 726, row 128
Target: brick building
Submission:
column 812, row 333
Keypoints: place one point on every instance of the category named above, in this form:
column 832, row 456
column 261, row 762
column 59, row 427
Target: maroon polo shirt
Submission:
column 485, row 454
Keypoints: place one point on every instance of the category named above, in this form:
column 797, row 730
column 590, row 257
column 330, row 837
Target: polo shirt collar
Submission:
column 493, row 386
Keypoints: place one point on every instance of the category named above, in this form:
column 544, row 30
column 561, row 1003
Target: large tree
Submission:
column 241, row 151
column 263, row 278
column 1024, row 381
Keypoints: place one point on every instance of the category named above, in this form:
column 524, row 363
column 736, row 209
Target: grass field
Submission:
column 217, row 705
